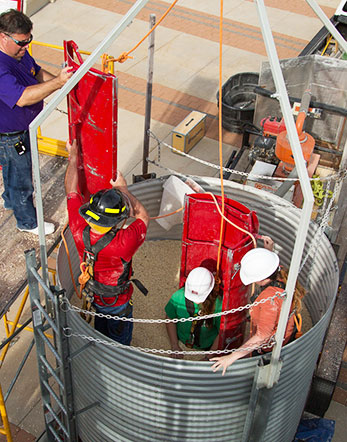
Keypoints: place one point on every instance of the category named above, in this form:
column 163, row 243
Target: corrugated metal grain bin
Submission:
column 143, row 397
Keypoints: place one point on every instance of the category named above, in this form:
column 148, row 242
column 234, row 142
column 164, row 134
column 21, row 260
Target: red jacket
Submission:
column 108, row 267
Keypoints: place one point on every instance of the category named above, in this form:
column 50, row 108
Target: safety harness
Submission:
column 194, row 339
column 89, row 285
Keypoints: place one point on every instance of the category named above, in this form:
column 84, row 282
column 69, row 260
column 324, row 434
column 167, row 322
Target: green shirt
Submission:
column 176, row 308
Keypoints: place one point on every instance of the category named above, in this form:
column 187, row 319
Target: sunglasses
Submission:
column 20, row 43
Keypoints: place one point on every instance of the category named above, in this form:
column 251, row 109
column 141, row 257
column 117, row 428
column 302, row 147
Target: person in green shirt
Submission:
column 196, row 298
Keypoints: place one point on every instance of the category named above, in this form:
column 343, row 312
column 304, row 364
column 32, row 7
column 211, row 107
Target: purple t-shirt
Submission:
column 15, row 76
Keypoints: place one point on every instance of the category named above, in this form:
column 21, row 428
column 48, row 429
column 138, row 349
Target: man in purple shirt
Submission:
column 23, row 86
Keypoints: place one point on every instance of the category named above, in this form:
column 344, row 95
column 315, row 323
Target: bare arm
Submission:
column 71, row 175
column 265, row 321
column 171, row 329
column 224, row 361
column 138, row 210
column 37, row 92
column 44, row 75
column 268, row 242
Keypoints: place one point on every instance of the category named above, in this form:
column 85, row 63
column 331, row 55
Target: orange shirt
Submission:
column 265, row 317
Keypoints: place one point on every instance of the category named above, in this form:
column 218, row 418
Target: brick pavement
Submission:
column 206, row 26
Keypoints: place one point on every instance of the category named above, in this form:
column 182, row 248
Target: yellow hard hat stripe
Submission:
column 93, row 215
column 114, row 210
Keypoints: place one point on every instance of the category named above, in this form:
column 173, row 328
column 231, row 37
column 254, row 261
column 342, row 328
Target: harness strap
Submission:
column 107, row 291
column 90, row 257
column 140, row 286
column 92, row 251
column 196, row 325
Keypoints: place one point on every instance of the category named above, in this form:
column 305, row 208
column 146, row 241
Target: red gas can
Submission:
column 272, row 125
column 200, row 240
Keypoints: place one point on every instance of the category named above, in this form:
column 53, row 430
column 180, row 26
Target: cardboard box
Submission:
column 189, row 132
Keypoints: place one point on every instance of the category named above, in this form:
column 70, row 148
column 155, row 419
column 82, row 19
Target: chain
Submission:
column 171, row 171
column 68, row 333
column 74, row 308
column 237, row 172
column 325, row 197
column 324, row 222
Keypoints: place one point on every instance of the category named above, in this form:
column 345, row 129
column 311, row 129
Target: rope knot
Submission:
column 85, row 275
column 123, row 57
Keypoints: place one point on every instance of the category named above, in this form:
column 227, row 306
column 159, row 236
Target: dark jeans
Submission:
column 120, row 331
column 18, row 184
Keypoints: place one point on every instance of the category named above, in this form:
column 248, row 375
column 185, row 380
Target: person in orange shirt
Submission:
column 261, row 266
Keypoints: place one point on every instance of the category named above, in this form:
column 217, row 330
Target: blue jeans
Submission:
column 18, row 183
column 120, row 331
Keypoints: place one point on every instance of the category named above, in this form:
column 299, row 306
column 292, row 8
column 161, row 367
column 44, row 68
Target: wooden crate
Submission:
column 189, row 132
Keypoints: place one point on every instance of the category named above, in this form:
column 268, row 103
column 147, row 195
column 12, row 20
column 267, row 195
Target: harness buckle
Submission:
column 89, row 258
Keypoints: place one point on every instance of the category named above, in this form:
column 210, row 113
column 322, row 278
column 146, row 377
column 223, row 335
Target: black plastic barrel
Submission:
column 238, row 100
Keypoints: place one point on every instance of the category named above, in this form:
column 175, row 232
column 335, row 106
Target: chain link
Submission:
column 323, row 224
column 74, row 308
column 267, row 345
column 237, row 172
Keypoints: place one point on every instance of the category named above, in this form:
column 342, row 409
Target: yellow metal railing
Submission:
column 5, row 429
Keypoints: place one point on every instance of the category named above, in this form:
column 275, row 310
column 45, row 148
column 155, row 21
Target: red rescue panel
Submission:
column 200, row 240
column 92, row 113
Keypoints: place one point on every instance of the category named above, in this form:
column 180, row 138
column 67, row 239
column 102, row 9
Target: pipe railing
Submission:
column 273, row 370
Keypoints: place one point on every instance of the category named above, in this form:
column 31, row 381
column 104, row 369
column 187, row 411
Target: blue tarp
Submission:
column 315, row 430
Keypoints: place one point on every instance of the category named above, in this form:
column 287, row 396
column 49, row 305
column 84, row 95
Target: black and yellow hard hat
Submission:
column 106, row 208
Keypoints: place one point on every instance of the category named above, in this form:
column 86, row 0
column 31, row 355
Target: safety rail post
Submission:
column 57, row 408
column 272, row 372
column 65, row 369
column 268, row 375
column 149, row 89
column 255, row 423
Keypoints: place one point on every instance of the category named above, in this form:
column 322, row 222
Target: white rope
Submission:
column 237, row 172
column 68, row 333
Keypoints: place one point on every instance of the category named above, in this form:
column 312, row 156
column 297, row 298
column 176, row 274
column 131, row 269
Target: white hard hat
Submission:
column 199, row 285
column 258, row 264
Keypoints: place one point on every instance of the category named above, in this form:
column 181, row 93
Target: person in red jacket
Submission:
column 261, row 266
column 106, row 247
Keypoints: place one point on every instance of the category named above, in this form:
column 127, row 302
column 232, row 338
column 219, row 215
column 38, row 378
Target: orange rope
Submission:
column 220, row 139
column 168, row 214
column 125, row 55
column 298, row 323
column 84, row 276
column 230, row 222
